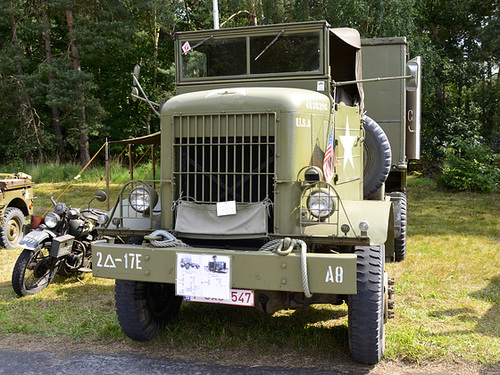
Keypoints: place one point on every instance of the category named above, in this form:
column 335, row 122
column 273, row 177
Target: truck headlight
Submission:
column 321, row 203
column 51, row 220
column 143, row 198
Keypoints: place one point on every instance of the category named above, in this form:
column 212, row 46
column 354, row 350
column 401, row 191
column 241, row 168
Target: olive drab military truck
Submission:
column 283, row 175
column 16, row 202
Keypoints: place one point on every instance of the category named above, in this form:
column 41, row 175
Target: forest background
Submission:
column 65, row 71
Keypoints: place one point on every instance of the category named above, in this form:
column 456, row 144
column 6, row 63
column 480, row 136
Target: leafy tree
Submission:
column 64, row 85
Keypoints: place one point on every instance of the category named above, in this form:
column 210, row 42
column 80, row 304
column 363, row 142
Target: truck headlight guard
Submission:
column 142, row 198
column 321, row 203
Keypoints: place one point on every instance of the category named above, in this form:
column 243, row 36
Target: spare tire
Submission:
column 377, row 158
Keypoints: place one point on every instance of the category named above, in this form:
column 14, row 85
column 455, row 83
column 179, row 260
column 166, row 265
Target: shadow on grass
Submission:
column 487, row 324
column 238, row 336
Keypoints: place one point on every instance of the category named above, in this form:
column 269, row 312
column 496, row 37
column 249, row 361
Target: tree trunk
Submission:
column 48, row 55
column 82, row 126
column 27, row 111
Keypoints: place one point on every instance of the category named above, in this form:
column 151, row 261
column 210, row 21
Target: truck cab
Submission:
column 270, row 165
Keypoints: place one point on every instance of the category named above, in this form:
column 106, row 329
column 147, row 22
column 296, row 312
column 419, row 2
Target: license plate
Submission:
column 239, row 297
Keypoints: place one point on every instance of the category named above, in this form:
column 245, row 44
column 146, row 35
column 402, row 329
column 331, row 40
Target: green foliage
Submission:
column 468, row 166
column 459, row 45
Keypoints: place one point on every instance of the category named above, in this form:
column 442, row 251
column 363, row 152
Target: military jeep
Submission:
column 16, row 202
column 273, row 180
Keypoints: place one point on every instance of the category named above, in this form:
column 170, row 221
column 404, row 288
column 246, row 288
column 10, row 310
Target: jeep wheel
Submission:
column 400, row 220
column 11, row 231
column 376, row 158
column 366, row 309
column 143, row 308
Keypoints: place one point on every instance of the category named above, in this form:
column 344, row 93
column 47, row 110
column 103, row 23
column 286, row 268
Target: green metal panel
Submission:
column 385, row 100
column 261, row 270
column 16, row 192
column 301, row 120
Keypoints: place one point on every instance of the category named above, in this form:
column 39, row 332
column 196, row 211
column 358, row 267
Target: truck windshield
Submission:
column 269, row 54
column 289, row 53
column 215, row 58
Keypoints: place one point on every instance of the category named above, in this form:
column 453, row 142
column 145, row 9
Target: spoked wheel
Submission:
column 143, row 309
column 33, row 271
column 367, row 310
column 11, row 231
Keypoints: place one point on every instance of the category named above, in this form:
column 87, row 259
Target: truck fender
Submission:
column 378, row 214
column 33, row 238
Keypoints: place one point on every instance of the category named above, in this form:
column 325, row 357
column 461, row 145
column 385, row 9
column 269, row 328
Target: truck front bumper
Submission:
column 256, row 270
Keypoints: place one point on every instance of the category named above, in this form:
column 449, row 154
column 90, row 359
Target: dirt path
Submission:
column 273, row 363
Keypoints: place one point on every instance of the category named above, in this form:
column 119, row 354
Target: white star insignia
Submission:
column 347, row 141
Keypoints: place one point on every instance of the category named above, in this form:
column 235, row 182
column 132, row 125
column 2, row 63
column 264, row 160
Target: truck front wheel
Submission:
column 143, row 308
column 366, row 309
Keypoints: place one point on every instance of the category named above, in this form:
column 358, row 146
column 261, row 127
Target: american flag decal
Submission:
column 330, row 160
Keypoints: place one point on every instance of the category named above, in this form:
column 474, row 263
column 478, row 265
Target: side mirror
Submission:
column 413, row 69
column 134, row 94
column 100, row 195
column 137, row 73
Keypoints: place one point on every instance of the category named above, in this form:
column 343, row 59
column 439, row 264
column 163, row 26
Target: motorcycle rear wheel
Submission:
column 31, row 273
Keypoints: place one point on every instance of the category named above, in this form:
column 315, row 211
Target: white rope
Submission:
column 303, row 266
column 168, row 240
column 289, row 244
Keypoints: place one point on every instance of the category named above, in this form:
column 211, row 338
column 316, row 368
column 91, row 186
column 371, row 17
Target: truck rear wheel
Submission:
column 366, row 309
column 400, row 218
column 143, row 308
column 11, row 230
column 376, row 158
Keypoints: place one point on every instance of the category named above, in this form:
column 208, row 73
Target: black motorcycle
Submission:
column 59, row 243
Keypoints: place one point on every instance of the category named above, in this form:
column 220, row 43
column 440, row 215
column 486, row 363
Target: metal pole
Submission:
column 106, row 151
column 131, row 166
column 153, row 162
column 216, row 15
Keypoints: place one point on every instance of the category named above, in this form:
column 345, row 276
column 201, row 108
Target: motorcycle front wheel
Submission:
column 33, row 271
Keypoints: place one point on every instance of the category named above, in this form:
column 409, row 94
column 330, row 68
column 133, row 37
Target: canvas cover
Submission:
column 345, row 58
column 200, row 220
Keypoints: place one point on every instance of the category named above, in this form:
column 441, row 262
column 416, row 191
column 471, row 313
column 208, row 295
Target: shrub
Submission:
column 469, row 166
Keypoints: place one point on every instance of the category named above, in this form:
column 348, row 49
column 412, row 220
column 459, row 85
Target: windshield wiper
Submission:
column 270, row 44
column 197, row 45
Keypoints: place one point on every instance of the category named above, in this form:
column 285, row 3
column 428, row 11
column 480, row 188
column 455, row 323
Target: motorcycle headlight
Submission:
column 321, row 203
column 51, row 220
column 102, row 219
column 143, row 198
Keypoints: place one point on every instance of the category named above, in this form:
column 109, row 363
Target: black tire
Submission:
column 366, row 309
column 143, row 309
column 400, row 219
column 31, row 272
column 11, row 231
column 376, row 158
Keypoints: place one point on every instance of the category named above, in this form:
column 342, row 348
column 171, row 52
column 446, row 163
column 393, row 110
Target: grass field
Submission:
column 447, row 298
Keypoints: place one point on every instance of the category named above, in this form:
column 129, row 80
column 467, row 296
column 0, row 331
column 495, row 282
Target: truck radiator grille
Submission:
column 225, row 157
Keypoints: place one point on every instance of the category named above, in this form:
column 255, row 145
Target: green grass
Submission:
column 68, row 172
column 447, row 297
